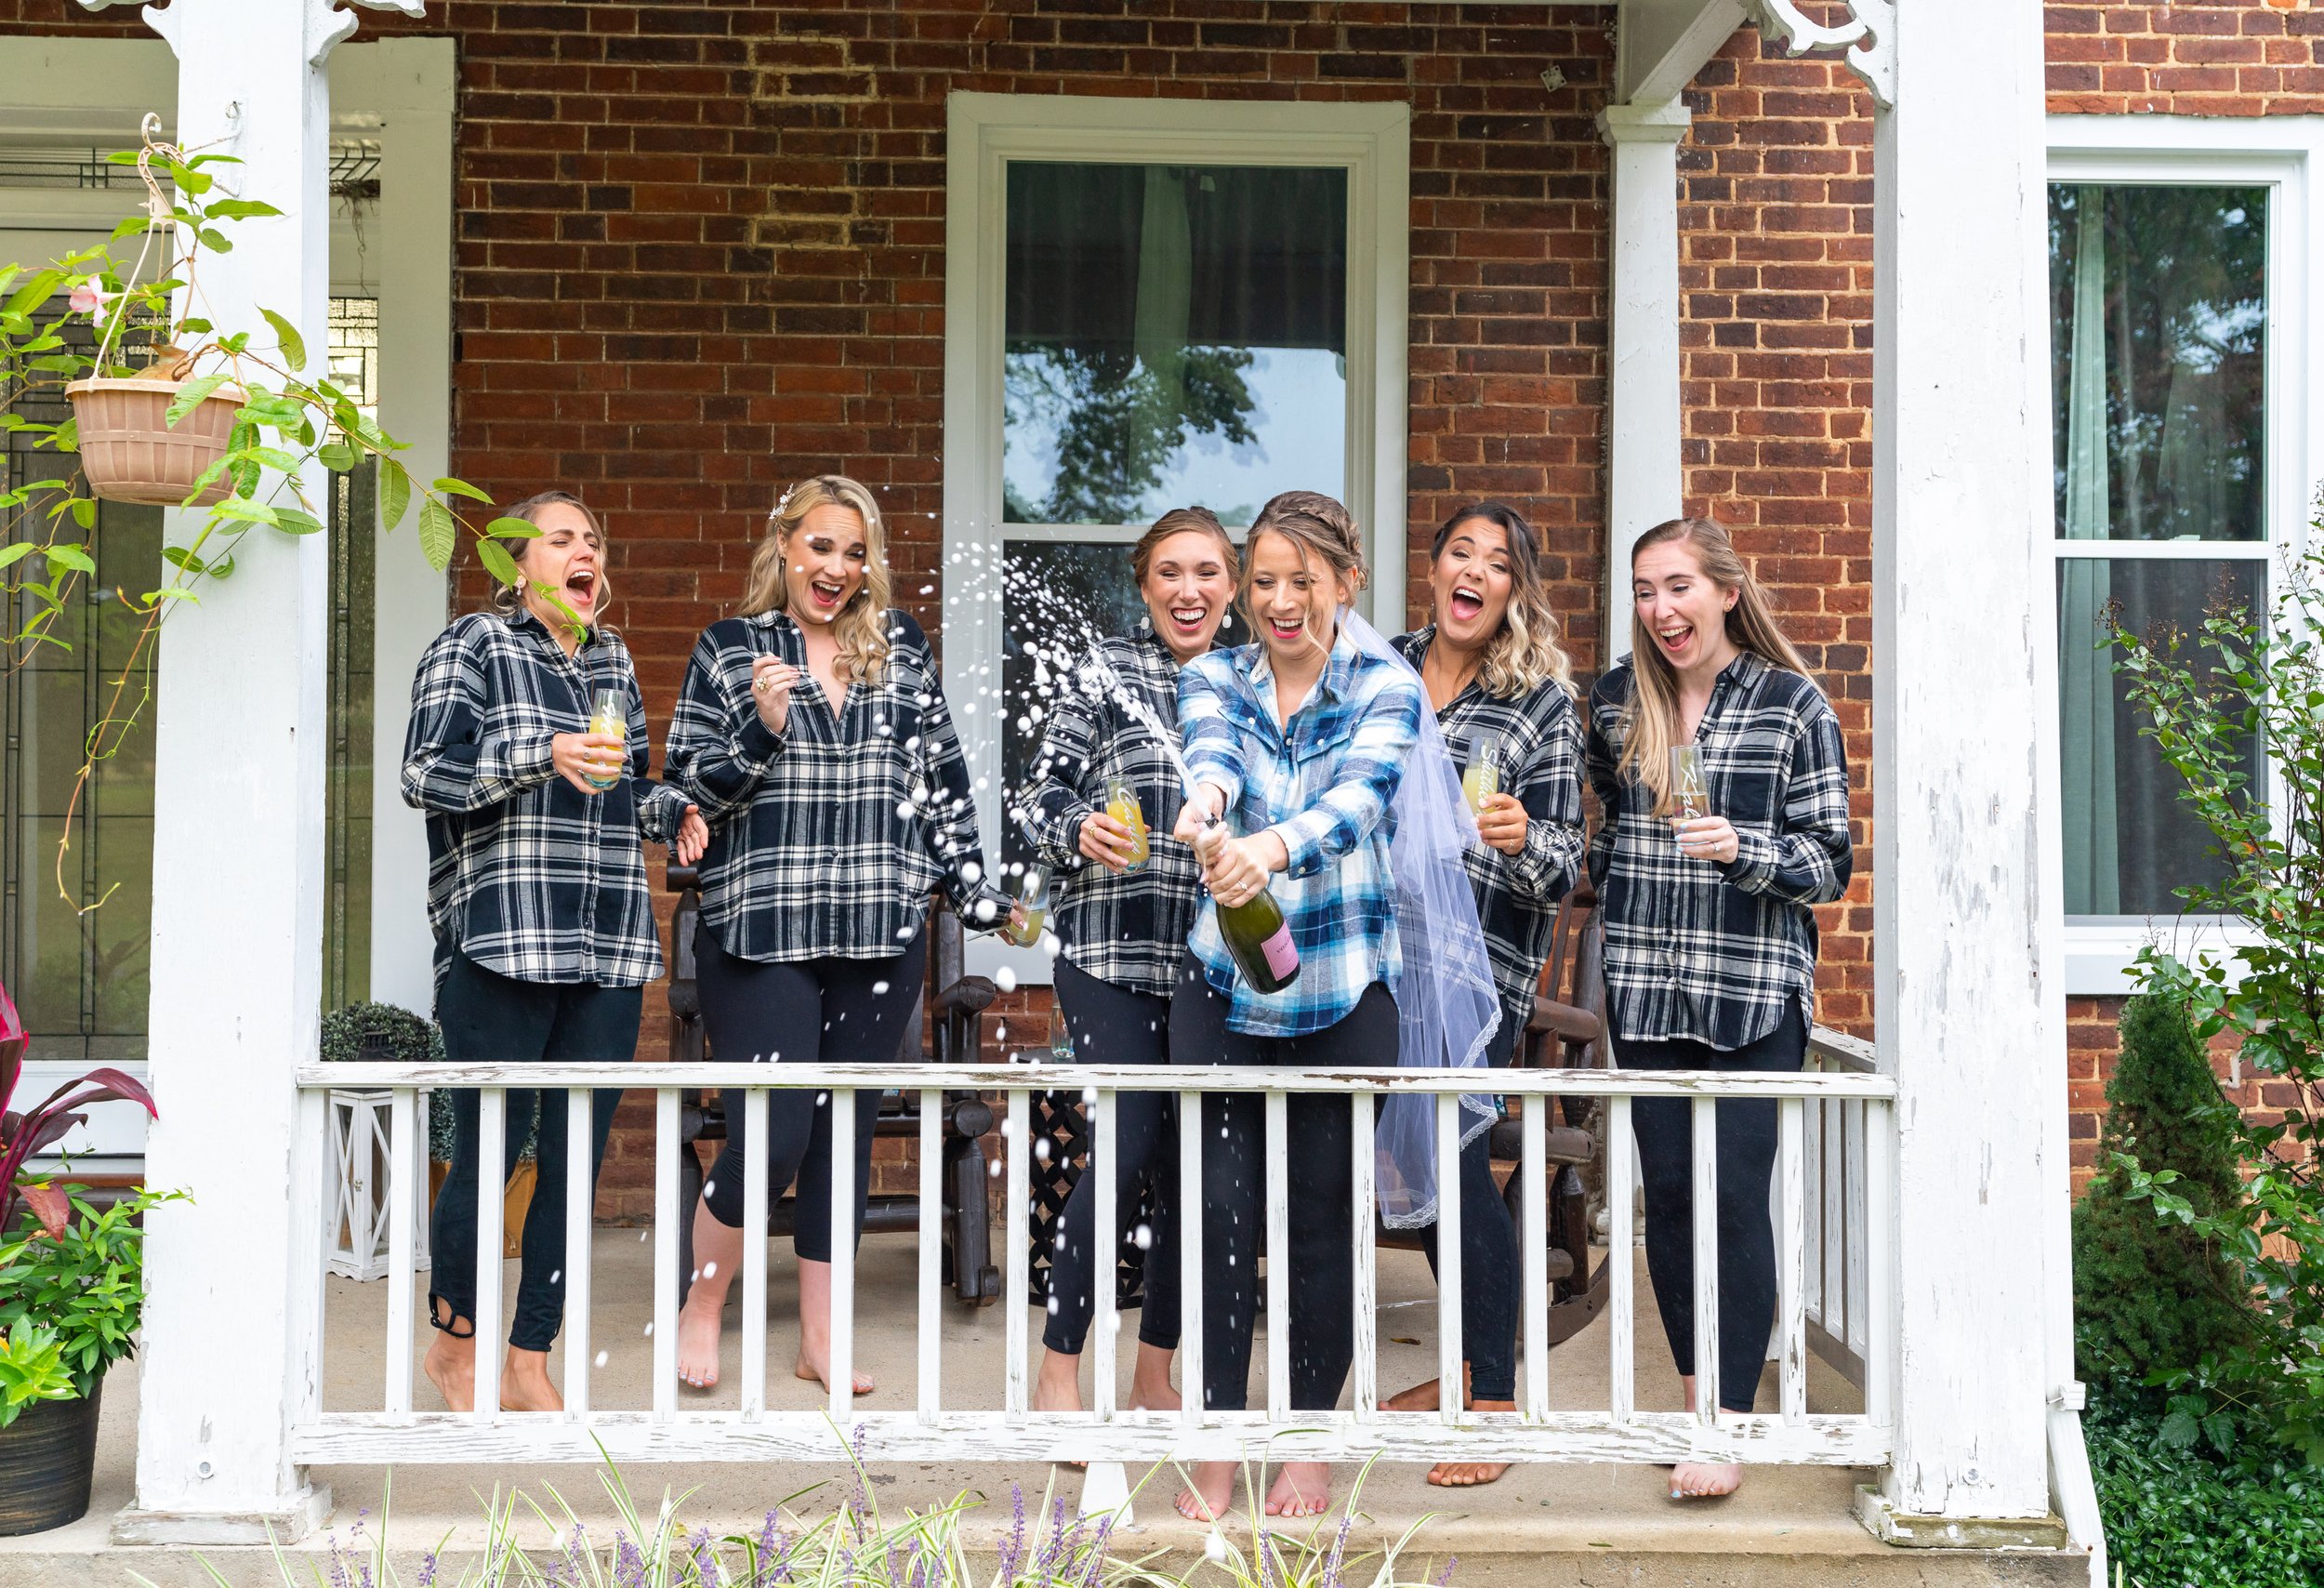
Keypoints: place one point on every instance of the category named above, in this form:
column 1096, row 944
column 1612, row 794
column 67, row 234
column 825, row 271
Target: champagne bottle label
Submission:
column 1281, row 953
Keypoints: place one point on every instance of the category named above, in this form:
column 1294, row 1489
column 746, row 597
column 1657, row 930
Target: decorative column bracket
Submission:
column 326, row 24
column 1868, row 37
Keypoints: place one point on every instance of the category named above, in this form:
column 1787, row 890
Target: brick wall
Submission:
column 700, row 253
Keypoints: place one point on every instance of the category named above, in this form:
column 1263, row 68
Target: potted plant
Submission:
column 71, row 1293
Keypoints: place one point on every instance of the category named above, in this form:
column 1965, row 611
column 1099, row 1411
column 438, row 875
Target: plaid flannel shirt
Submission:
column 526, row 875
column 1710, row 950
column 826, row 838
column 1517, row 895
column 1125, row 928
column 1322, row 784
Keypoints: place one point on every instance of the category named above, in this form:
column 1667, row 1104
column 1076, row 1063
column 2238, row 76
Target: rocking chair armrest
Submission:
column 969, row 995
column 1567, row 1023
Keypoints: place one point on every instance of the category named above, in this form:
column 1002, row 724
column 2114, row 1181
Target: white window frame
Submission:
column 1370, row 142
column 2279, row 154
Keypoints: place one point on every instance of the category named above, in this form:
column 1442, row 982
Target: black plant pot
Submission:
column 46, row 1458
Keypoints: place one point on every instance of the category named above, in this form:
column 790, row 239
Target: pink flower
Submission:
column 88, row 297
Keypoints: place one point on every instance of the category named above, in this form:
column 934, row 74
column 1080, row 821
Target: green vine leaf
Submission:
column 242, row 209
column 337, row 456
column 71, row 557
column 395, row 494
column 498, row 563
column 191, row 397
column 512, row 529
column 438, row 532
column 462, row 488
column 294, row 345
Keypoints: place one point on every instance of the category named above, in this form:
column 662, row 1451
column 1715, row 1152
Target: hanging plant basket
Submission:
column 131, row 453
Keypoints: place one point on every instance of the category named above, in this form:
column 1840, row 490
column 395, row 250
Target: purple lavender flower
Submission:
column 1332, row 1568
column 338, row 1560
column 1012, row 1548
column 1444, row 1577
column 1097, row 1553
column 428, row 1571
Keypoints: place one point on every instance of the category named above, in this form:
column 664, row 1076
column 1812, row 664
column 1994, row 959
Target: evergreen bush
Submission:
column 2151, row 1295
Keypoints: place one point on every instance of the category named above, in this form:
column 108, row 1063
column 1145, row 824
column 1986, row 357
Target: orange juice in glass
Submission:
column 1121, row 804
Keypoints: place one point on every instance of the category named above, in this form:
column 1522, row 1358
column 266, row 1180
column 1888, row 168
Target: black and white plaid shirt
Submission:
column 526, row 875
column 1125, row 928
column 1710, row 950
column 826, row 838
column 1517, row 895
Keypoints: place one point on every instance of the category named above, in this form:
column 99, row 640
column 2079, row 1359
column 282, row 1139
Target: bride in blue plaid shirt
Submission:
column 1301, row 741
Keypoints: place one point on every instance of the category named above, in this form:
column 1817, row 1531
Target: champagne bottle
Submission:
column 1259, row 937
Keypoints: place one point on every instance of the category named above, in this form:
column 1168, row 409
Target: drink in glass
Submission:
column 609, row 715
column 1481, row 779
column 1031, row 904
column 1121, row 804
column 1689, row 799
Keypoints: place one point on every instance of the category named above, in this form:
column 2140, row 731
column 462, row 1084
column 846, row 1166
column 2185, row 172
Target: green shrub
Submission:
column 2185, row 1518
column 83, row 1289
column 413, row 1040
column 2254, row 679
column 2151, row 1295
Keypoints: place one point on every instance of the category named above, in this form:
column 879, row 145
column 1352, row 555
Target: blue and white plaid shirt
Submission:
column 1704, row 950
column 1323, row 785
column 526, row 875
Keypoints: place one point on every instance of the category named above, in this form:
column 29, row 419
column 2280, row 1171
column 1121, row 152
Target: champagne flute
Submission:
column 1689, row 796
column 1061, row 1038
column 1481, row 779
column 1123, row 805
column 609, row 715
column 1033, row 900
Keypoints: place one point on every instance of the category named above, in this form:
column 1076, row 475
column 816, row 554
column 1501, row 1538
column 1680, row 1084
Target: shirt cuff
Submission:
column 1754, row 860
column 531, row 760
column 756, row 745
column 1301, row 844
column 1062, row 846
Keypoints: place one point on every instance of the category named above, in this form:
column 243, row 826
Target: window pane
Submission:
column 1173, row 336
column 1086, row 579
column 2130, row 839
column 2158, row 348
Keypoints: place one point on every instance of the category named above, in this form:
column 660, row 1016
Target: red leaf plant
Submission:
column 25, row 1136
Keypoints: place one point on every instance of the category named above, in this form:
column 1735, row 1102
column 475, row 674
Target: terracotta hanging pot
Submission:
column 131, row 453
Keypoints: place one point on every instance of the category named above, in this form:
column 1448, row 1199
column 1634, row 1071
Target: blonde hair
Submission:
column 1182, row 521
column 861, row 627
column 1317, row 527
column 1650, row 722
column 507, row 601
column 1526, row 651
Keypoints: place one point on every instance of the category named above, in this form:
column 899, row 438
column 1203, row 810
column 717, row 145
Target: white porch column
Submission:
column 1643, row 430
column 238, row 878
column 1961, row 623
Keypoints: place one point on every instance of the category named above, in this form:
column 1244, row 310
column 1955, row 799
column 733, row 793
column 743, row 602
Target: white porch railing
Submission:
column 933, row 1429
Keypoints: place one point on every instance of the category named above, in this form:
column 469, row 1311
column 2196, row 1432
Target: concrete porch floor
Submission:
column 1561, row 1523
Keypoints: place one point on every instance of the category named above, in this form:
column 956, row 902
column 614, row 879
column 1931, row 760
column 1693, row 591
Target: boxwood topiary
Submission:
column 409, row 1039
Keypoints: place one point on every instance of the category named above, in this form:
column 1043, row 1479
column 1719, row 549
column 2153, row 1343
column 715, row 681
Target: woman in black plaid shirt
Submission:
column 1709, row 934
column 812, row 731
column 1121, row 932
column 1502, row 690
column 537, row 896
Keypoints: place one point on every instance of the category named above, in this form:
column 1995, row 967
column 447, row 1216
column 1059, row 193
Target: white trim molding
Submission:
column 1370, row 142
column 1868, row 38
column 2279, row 154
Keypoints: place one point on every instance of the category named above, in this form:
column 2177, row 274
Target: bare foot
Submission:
column 451, row 1366
column 815, row 1366
column 526, row 1384
column 1210, row 1490
column 700, row 1322
column 1150, row 1386
column 1058, row 1388
column 1467, row 1474
column 1419, row 1397
column 1705, row 1480
column 1302, row 1488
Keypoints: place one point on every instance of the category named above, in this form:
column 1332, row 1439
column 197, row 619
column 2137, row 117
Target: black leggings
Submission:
column 801, row 1012
column 1665, row 1129
column 1113, row 1025
column 490, row 1018
column 1488, row 1257
column 1322, row 1259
